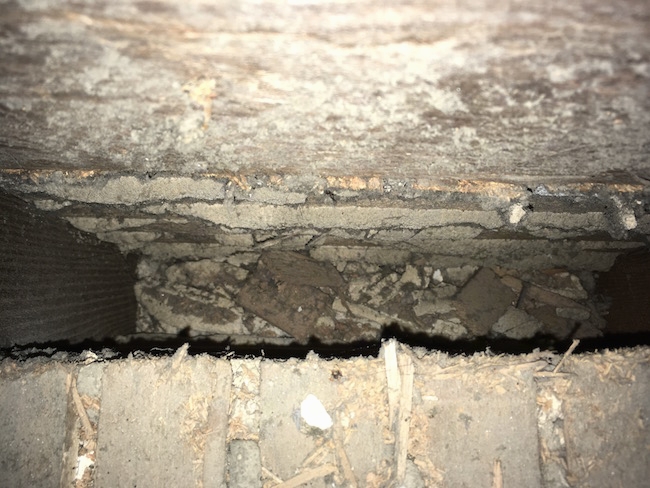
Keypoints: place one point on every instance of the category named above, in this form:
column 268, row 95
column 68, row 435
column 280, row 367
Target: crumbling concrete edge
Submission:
column 138, row 186
column 128, row 208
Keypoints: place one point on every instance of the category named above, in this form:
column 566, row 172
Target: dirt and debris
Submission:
column 481, row 310
column 287, row 290
column 289, row 295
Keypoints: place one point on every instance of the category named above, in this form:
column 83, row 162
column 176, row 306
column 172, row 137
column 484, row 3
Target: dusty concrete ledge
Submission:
column 406, row 418
column 149, row 405
column 35, row 425
column 185, row 216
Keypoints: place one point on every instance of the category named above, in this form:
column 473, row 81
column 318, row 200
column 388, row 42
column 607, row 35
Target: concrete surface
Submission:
column 34, row 425
column 405, row 90
column 470, row 418
column 406, row 418
column 151, row 406
column 244, row 464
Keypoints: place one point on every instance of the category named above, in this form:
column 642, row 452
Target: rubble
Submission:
column 517, row 324
column 275, row 294
column 483, row 300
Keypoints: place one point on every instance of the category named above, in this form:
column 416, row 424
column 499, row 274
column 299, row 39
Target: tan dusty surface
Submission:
column 406, row 418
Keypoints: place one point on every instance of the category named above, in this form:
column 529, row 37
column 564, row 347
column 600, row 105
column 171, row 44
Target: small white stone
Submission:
column 83, row 463
column 337, row 306
column 325, row 322
column 314, row 414
column 459, row 276
column 517, row 213
column 448, row 329
column 437, row 276
column 629, row 220
column 517, row 324
column 627, row 216
column 542, row 190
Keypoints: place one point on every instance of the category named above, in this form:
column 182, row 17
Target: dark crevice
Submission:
column 111, row 349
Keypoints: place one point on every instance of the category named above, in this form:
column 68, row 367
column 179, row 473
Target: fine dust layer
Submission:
column 162, row 422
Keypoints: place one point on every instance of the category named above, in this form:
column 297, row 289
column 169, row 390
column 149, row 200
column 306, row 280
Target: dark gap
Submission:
column 57, row 283
column 626, row 289
column 110, row 349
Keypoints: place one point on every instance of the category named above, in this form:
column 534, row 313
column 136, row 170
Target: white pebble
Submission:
column 314, row 414
column 437, row 276
column 517, row 212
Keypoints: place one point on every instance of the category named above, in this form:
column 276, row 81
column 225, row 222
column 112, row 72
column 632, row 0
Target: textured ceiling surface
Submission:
column 332, row 88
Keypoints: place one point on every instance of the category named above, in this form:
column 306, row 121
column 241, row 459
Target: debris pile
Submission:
column 284, row 295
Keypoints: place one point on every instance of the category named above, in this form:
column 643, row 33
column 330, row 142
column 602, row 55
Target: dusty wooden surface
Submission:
column 404, row 89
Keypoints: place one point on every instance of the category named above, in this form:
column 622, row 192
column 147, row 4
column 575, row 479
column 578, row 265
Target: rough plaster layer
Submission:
column 483, row 222
column 415, row 89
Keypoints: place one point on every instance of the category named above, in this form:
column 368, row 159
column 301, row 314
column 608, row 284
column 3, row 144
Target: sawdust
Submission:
column 194, row 428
